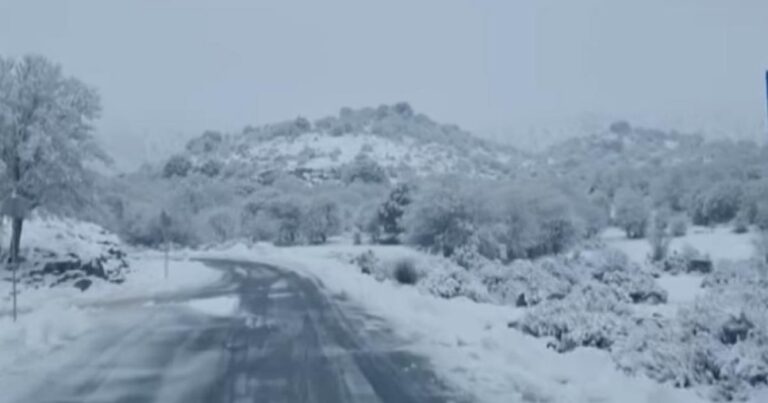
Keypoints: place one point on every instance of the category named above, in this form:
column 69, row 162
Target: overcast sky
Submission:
column 171, row 69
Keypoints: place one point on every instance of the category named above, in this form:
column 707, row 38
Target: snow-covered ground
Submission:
column 216, row 306
column 468, row 342
column 719, row 243
column 51, row 317
column 144, row 279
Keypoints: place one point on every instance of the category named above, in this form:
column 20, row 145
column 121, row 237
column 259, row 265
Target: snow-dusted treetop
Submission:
column 45, row 122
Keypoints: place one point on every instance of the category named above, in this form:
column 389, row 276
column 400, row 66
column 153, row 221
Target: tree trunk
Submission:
column 16, row 239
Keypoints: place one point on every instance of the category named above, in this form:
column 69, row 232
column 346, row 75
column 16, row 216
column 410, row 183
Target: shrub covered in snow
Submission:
column 592, row 315
column 738, row 274
column 741, row 223
column 678, row 226
column 720, row 343
column 448, row 280
column 687, row 260
column 632, row 281
column 367, row 262
column 434, row 275
column 524, row 282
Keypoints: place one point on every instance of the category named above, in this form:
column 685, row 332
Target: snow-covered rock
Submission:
column 57, row 251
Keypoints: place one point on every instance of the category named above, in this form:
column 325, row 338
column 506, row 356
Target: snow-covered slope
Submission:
column 392, row 137
column 65, row 252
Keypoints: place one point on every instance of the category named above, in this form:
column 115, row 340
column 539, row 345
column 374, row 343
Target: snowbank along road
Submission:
column 287, row 341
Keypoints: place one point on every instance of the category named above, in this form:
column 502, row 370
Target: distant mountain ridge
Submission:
column 393, row 143
column 637, row 147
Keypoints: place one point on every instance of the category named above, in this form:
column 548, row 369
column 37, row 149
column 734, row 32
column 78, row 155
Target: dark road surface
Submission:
column 288, row 342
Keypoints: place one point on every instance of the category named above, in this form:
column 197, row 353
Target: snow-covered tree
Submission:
column 364, row 169
column 632, row 212
column 658, row 235
column 321, row 220
column 389, row 215
column 45, row 134
column 178, row 165
column 716, row 203
column 442, row 217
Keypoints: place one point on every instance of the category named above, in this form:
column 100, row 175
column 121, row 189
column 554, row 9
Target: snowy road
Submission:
column 287, row 342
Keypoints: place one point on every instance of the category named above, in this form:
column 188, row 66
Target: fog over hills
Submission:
column 533, row 135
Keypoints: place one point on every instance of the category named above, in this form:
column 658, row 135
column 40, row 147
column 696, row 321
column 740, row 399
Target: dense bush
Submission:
column 404, row 272
column 558, row 225
column 447, row 280
column 635, row 283
column 715, row 204
column 678, row 226
column 592, row 315
column 525, row 283
column 364, row 169
column 177, row 165
column 211, row 168
column 441, row 218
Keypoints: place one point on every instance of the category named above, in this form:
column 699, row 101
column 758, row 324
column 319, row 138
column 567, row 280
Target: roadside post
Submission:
column 165, row 223
column 15, row 207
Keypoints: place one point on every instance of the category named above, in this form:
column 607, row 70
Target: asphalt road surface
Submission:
column 288, row 342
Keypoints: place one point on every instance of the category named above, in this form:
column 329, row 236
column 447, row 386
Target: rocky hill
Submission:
column 392, row 140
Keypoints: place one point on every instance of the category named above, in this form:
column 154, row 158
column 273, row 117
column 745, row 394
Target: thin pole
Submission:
column 166, row 259
column 14, row 267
